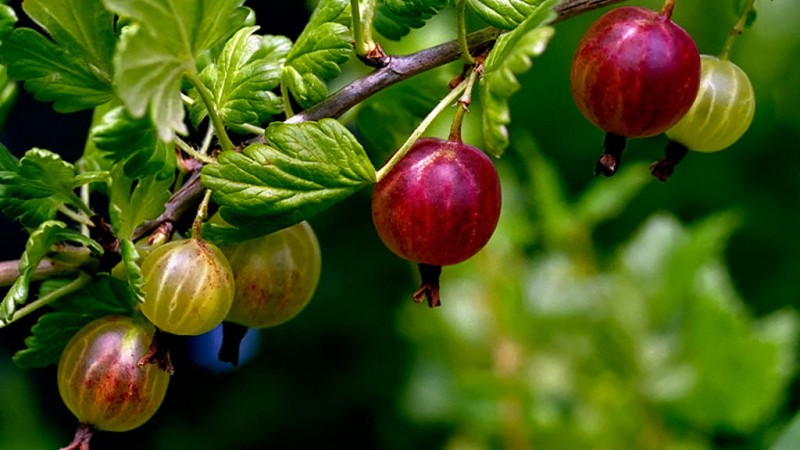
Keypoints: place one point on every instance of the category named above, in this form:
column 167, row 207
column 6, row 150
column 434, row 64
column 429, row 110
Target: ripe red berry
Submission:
column 100, row 380
column 635, row 74
column 438, row 206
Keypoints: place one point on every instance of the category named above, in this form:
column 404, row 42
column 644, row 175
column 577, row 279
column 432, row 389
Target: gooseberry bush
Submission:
column 213, row 142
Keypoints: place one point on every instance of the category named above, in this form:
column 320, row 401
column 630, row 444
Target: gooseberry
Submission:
column 188, row 287
column 275, row 277
column 100, row 381
column 438, row 206
column 635, row 73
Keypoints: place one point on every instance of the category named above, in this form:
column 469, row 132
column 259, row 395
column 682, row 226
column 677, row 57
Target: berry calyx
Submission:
column 438, row 206
column 635, row 74
column 100, row 381
column 188, row 287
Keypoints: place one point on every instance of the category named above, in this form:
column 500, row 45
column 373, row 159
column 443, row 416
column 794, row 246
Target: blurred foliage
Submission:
column 613, row 313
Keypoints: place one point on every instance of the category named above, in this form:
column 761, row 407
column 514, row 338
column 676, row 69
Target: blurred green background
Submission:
column 616, row 313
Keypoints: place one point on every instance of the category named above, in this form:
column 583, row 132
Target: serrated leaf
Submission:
column 83, row 27
column 135, row 201
column 52, row 74
column 315, row 58
column 73, row 70
column 135, row 142
column 38, row 246
column 132, row 259
column 303, row 169
column 512, row 55
column 507, row 14
column 245, row 227
column 103, row 296
column 242, row 79
column 395, row 18
column 41, row 183
column 161, row 46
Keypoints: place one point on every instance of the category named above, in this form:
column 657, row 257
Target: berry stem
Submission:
column 461, row 9
column 463, row 106
column 426, row 122
column 736, row 30
column 612, row 156
column 674, row 153
column 202, row 215
column 429, row 287
column 666, row 10
column 82, row 437
column 232, row 335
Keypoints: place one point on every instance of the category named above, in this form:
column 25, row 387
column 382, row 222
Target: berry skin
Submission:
column 635, row 72
column 99, row 379
column 188, row 287
column 438, row 206
column 275, row 276
column 722, row 111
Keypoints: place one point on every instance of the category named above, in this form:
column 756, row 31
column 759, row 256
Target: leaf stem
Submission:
column 193, row 153
column 463, row 106
column 76, row 284
column 84, row 190
column 252, row 128
column 736, row 30
column 426, row 122
column 77, row 216
column 207, row 139
column 287, row 100
column 362, row 26
column 208, row 98
column 461, row 9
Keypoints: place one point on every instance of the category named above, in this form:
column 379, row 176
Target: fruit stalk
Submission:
column 736, row 30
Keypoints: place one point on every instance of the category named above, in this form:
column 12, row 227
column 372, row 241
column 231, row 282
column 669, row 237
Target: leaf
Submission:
column 7, row 20
column 315, row 58
column 132, row 259
column 38, row 246
column 789, row 438
column 8, row 93
column 241, row 80
column 303, row 169
column 160, row 46
column 104, row 296
column 506, row 14
column 512, row 55
column 395, row 18
column 135, row 142
column 41, row 183
column 52, row 74
column 133, row 202
column 73, row 70
column 246, row 227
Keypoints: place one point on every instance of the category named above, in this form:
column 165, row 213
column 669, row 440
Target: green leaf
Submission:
column 246, row 227
column 8, row 94
column 136, row 201
column 52, row 74
column 73, row 70
column 132, row 259
column 7, row 20
column 104, row 296
column 8, row 162
column 136, row 143
column 41, row 183
column 315, row 58
column 512, row 55
column 162, row 45
column 506, row 14
column 84, row 28
column 38, row 246
column 303, row 169
column 395, row 18
column 248, row 68
column 789, row 438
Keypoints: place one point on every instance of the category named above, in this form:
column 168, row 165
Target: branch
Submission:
column 78, row 257
column 399, row 68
